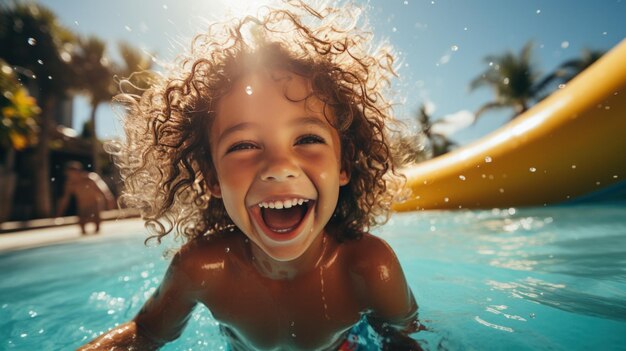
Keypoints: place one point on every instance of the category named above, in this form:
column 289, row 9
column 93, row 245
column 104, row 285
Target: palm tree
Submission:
column 96, row 79
column 571, row 68
column 514, row 80
column 440, row 143
column 37, row 46
column 136, row 70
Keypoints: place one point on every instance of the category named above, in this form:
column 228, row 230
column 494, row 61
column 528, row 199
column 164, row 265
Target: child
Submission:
column 267, row 153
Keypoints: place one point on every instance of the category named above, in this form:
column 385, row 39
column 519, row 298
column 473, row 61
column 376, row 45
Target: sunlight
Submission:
column 242, row 8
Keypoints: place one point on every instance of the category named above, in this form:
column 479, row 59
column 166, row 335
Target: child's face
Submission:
column 278, row 162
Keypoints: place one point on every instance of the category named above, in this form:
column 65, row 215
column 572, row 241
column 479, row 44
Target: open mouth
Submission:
column 282, row 220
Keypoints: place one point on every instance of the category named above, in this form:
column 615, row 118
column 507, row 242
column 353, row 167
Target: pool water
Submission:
column 550, row 278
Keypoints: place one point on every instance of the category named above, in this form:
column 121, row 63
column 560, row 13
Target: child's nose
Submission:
column 280, row 170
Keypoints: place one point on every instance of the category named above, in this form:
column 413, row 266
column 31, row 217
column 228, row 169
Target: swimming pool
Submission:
column 535, row 278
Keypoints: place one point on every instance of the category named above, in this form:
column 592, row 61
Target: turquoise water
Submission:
column 537, row 278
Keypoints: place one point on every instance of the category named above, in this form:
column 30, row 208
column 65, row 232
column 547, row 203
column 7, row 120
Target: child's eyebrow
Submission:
column 235, row 128
column 307, row 120
column 311, row 121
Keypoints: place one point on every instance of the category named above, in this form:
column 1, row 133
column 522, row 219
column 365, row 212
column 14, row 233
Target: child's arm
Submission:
column 385, row 292
column 161, row 319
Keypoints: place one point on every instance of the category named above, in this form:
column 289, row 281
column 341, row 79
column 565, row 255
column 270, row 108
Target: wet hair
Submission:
column 165, row 160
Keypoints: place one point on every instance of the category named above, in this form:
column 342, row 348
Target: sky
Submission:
column 441, row 44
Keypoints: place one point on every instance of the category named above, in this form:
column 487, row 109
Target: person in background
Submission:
column 91, row 193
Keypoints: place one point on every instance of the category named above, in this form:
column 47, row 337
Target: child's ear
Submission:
column 215, row 190
column 344, row 177
column 213, row 184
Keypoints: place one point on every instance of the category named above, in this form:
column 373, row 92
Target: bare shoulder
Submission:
column 369, row 253
column 204, row 262
column 379, row 280
column 208, row 255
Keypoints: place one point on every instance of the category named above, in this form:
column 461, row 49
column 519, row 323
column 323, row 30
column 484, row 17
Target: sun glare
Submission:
column 242, row 8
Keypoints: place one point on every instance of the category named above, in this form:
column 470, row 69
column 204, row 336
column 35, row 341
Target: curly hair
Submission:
column 165, row 162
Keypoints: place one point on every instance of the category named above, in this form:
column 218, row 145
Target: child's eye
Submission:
column 244, row 145
column 310, row 139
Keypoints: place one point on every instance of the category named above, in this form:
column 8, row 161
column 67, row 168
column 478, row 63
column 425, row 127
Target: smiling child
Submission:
column 267, row 152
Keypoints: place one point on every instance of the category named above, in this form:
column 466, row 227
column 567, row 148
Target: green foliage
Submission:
column 95, row 74
column 18, row 111
column 33, row 41
column 513, row 78
column 517, row 83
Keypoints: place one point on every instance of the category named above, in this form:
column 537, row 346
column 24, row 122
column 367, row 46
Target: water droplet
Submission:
column 573, row 166
column 227, row 249
column 32, row 314
column 532, row 315
column 394, row 29
column 40, row 62
column 488, row 159
column 506, row 81
column 66, row 57
column 406, row 2
column 293, row 335
column 432, row 2
column 433, row 228
column 34, row 76
column 462, row 177
column 293, row 323
column 533, row 169
column 445, row 199
column 538, row 11
column 604, row 33
column 248, row 90
column 32, row 41
column 615, row 176
column 128, row 28
column 454, row 48
column 501, row 190
column 565, row 44
column 597, row 183
column 23, row 335
column 52, row 179
column 607, row 107
column 50, row 77
column 561, row 86
column 465, row 29
column 76, row 22
column 164, row 7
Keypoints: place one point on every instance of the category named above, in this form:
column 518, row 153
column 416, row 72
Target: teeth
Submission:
column 282, row 204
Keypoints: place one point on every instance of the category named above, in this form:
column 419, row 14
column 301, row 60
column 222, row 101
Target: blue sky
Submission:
column 441, row 44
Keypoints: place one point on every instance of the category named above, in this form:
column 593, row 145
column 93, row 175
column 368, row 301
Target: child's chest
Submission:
column 307, row 313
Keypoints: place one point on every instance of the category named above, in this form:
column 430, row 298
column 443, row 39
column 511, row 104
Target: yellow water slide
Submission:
column 570, row 144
